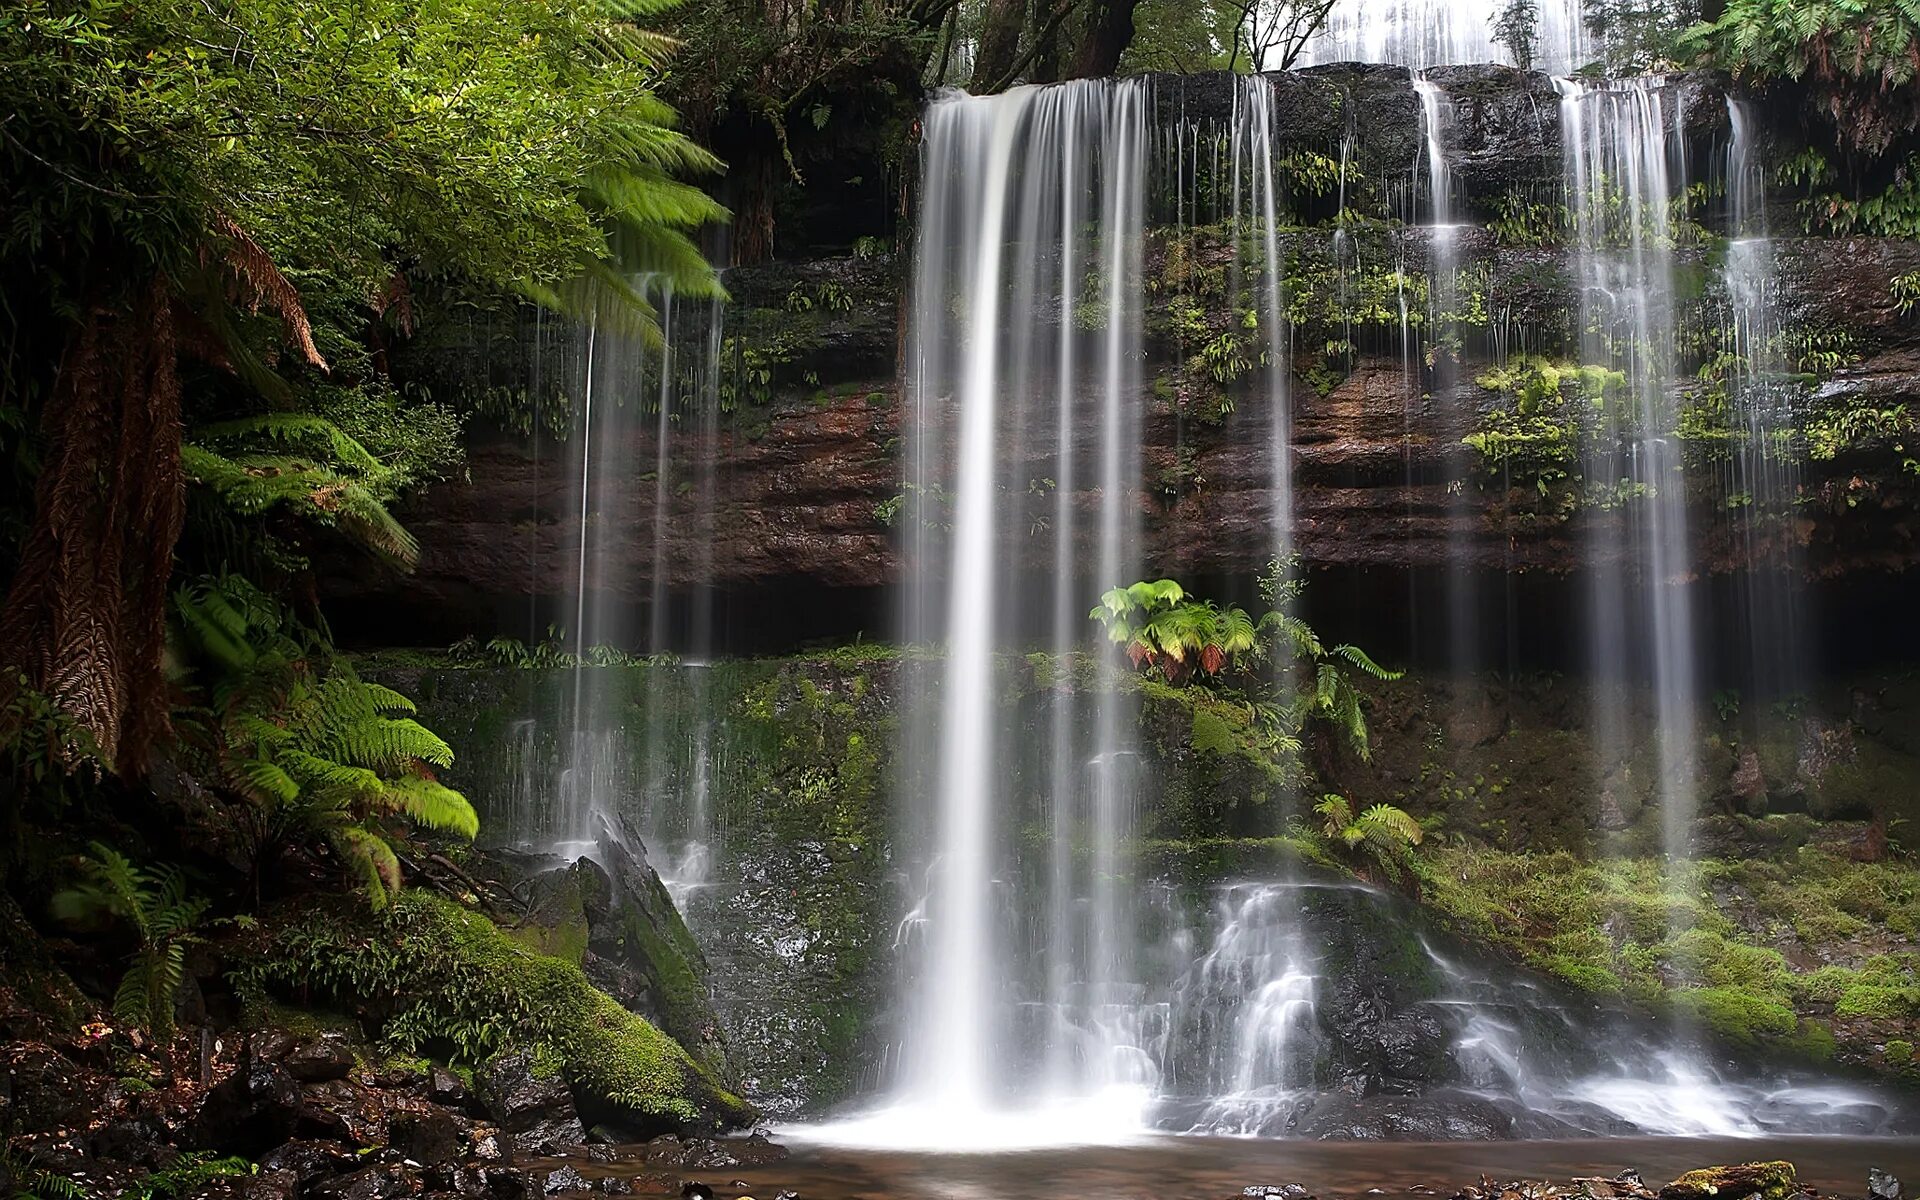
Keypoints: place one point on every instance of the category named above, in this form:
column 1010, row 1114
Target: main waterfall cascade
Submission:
column 1050, row 995
column 1023, row 381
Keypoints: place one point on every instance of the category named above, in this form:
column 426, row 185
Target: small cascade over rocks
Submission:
column 1437, row 33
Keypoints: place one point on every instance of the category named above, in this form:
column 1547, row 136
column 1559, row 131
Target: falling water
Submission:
column 1436, row 33
column 621, row 764
column 1443, row 353
column 1618, row 140
column 1763, row 478
column 1024, row 381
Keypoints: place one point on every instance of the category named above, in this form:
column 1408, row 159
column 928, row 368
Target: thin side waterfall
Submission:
column 1443, row 351
column 1620, row 143
column 1764, row 479
column 619, row 764
column 1438, row 33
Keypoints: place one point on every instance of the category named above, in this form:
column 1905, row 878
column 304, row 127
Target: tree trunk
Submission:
column 999, row 44
column 753, row 213
column 85, row 620
column 1044, row 34
column 1109, row 33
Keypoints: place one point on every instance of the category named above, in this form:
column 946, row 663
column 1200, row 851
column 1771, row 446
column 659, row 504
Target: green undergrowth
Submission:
column 431, row 977
column 1806, row 953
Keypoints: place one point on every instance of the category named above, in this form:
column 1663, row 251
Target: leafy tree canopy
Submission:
column 484, row 139
column 1860, row 58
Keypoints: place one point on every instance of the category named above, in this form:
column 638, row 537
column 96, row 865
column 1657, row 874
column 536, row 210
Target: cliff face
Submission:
column 806, row 463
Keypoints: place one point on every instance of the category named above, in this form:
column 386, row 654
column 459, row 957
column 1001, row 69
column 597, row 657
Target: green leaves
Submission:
column 327, row 755
column 1383, row 835
column 164, row 918
column 1859, row 58
column 1195, row 641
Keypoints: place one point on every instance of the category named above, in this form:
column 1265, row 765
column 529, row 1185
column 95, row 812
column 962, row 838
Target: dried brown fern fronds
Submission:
column 258, row 283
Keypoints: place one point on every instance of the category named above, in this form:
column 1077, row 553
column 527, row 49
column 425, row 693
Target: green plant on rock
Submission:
column 1519, row 220
column 1381, row 836
column 188, row 1174
column 325, row 755
column 1159, row 626
column 1191, row 641
column 165, row 920
column 430, row 974
column 31, row 1181
column 1906, row 292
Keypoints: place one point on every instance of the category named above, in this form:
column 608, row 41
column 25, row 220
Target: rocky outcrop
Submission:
column 806, row 463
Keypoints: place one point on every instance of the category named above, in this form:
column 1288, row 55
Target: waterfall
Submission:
column 625, row 760
column 1620, row 144
column 1437, row 33
column 1024, row 380
column 1763, row 481
column 1444, row 351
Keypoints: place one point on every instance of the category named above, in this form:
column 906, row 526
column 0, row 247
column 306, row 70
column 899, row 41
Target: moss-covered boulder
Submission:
column 1768, row 1180
column 428, row 976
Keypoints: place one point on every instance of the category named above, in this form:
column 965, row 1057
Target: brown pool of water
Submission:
column 1208, row 1168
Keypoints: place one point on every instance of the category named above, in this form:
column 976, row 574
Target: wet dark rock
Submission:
column 41, row 1089
column 369, row 1183
column 695, row 1191
column 444, row 1087
column 252, row 1110
column 142, row 1140
column 430, row 1137
column 1286, row 1191
column 536, row 1115
column 307, row 1160
column 267, row 1185
column 562, row 1179
column 1882, row 1185
column 322, row 1057
column 344, row 1109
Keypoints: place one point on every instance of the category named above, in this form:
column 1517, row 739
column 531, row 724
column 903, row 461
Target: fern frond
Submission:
column 371, row 863
column 1360, row 659
column 1394, row 821
column 432, row 804
column 295, row 431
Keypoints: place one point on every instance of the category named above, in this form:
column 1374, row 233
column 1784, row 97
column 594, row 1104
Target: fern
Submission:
column 304, row 465
column 1160, row 626
column 164, row 918
column 1382, row 836
column 329, row 757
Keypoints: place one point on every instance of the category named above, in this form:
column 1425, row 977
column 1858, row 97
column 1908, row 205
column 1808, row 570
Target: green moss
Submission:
column 1769, row 1181
column 430, row 975
column 1899, row 1053
column 1735, row 1014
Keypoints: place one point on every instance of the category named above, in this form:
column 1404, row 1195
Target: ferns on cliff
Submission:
column 1161, row 626
column 325, row 755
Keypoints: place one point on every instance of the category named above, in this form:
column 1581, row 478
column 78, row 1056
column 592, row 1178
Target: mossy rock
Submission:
column 432, row 977
column 1767, row 1180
